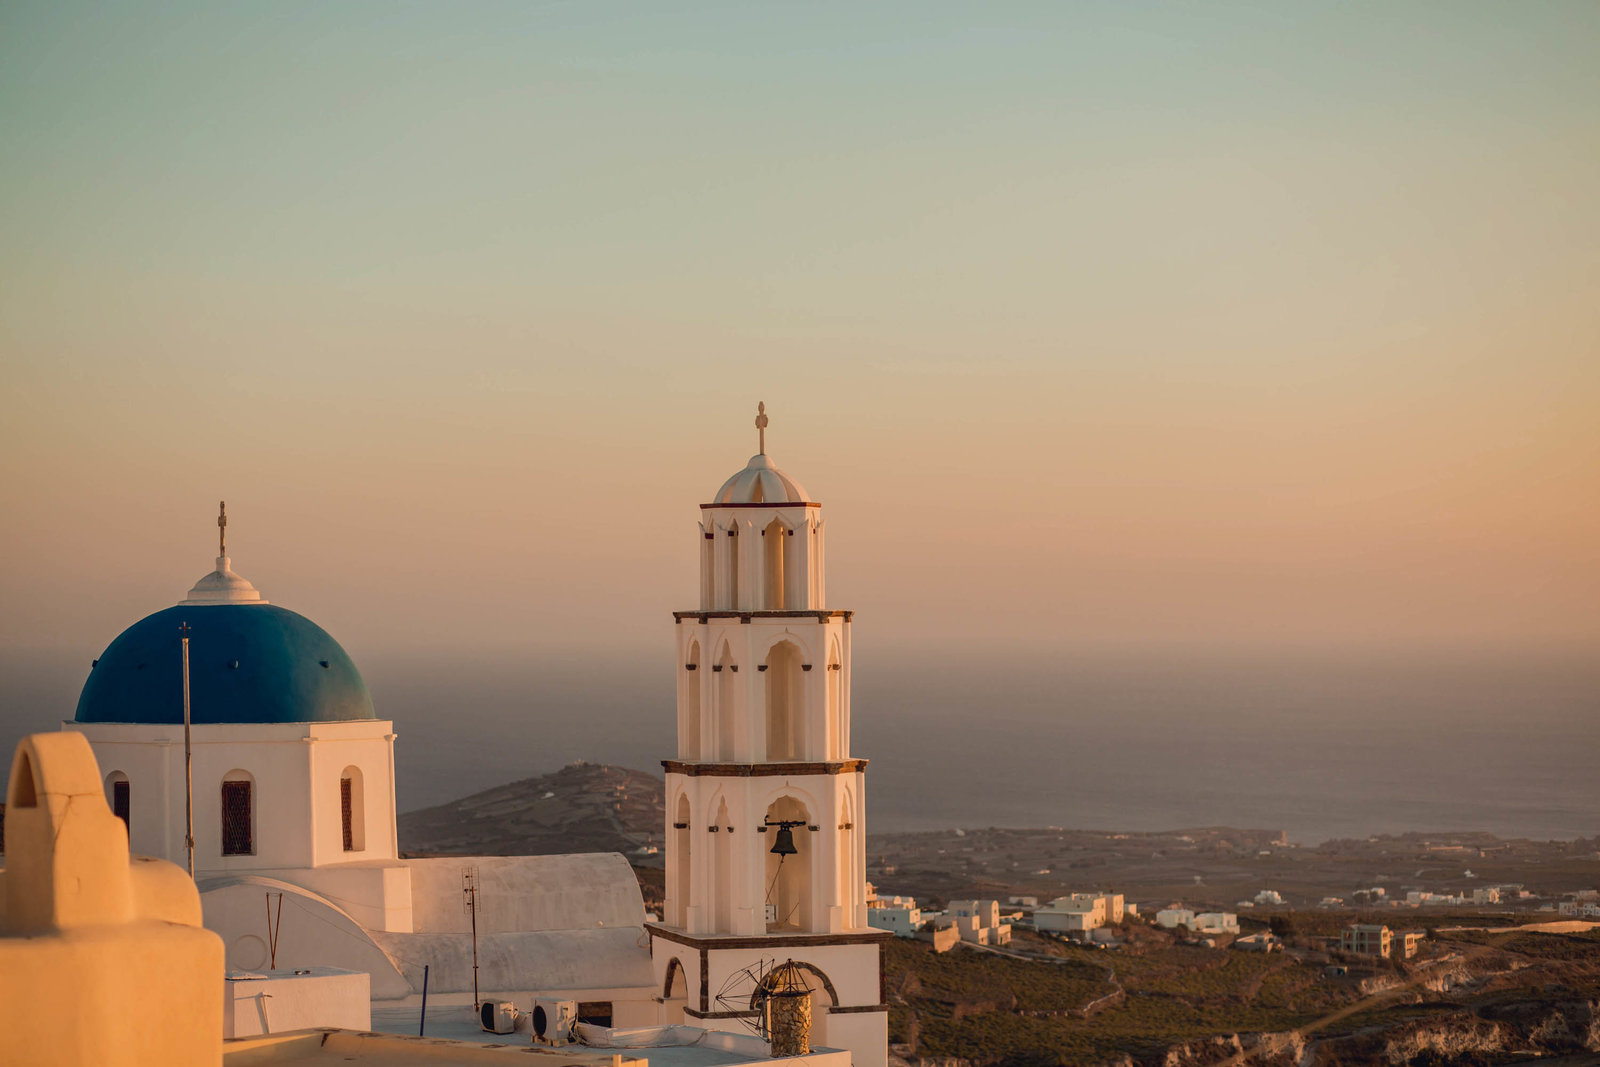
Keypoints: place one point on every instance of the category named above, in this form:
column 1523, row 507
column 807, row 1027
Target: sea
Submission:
column 1319, row 744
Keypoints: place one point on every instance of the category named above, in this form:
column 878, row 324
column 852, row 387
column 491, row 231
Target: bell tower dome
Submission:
column 766, row 842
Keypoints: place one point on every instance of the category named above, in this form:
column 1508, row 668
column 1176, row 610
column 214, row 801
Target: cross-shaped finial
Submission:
column 761, row 424
column 222, row 528
column 183, row 630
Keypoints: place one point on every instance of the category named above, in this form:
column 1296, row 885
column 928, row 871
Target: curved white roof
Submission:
column 760, row 483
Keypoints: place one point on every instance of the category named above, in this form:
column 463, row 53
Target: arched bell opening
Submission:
column 790, row 903
column 785, row 704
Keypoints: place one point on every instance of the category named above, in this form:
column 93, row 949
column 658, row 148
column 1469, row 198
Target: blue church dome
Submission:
column 249, row 662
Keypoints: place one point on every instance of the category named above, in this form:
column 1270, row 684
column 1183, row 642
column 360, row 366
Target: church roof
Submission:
column 248, row 663
column 760, row 483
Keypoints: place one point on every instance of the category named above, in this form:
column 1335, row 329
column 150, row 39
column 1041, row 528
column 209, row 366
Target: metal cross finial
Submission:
column 761, row 424
column 222, row 528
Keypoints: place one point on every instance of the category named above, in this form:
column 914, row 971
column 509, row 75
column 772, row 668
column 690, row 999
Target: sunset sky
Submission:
column 1201, row 324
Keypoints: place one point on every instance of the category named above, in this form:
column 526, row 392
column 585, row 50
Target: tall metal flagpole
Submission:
column 188, row 758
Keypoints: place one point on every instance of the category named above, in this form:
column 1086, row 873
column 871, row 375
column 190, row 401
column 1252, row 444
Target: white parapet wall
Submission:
column 275, row 1002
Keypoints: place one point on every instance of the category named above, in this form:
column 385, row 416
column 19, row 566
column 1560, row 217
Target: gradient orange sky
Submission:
column 1207, row 324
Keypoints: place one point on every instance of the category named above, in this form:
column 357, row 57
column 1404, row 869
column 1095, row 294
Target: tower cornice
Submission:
column 747, row 616
column 763, row 770
column 770, row 505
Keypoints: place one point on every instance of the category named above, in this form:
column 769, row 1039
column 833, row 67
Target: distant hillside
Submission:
column 584, row 807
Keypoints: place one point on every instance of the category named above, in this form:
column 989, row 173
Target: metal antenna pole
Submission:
column 188, row 758
column 469, row 886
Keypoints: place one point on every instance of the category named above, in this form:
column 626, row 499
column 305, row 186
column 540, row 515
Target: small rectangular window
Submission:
column 119, row 804
column 238, row 838
column 595, row 1012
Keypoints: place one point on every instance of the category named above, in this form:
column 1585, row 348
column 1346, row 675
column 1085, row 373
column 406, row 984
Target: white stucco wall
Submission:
column 295, row 768
column 275, row 1002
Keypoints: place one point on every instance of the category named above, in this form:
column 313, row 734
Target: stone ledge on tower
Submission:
column 720, row 769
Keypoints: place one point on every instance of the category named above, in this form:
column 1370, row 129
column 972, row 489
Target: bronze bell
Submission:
column 784, row 845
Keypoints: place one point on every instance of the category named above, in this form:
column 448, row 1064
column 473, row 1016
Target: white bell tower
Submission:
column 766, row 840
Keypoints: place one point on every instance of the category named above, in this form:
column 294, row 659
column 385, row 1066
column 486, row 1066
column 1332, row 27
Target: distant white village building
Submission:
column 1078, row 913
column 898, row 915
column 1215, row 922
column 1206, row 922
column 1366, row 939
column 979, row 921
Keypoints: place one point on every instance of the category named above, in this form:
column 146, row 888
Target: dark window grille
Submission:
column 119, row 804
column 347, row 814
column 237, row 836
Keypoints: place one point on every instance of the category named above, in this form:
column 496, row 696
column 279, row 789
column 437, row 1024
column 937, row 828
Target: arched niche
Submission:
column 691, row 704
column 683, row 858
column 838, row 739
column 786, row 733
column 774, row 549
column 727, row 690
column 721, row 870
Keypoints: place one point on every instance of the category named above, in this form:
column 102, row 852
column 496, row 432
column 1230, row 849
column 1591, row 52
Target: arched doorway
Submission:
column 824, row 997
column 674, row 993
